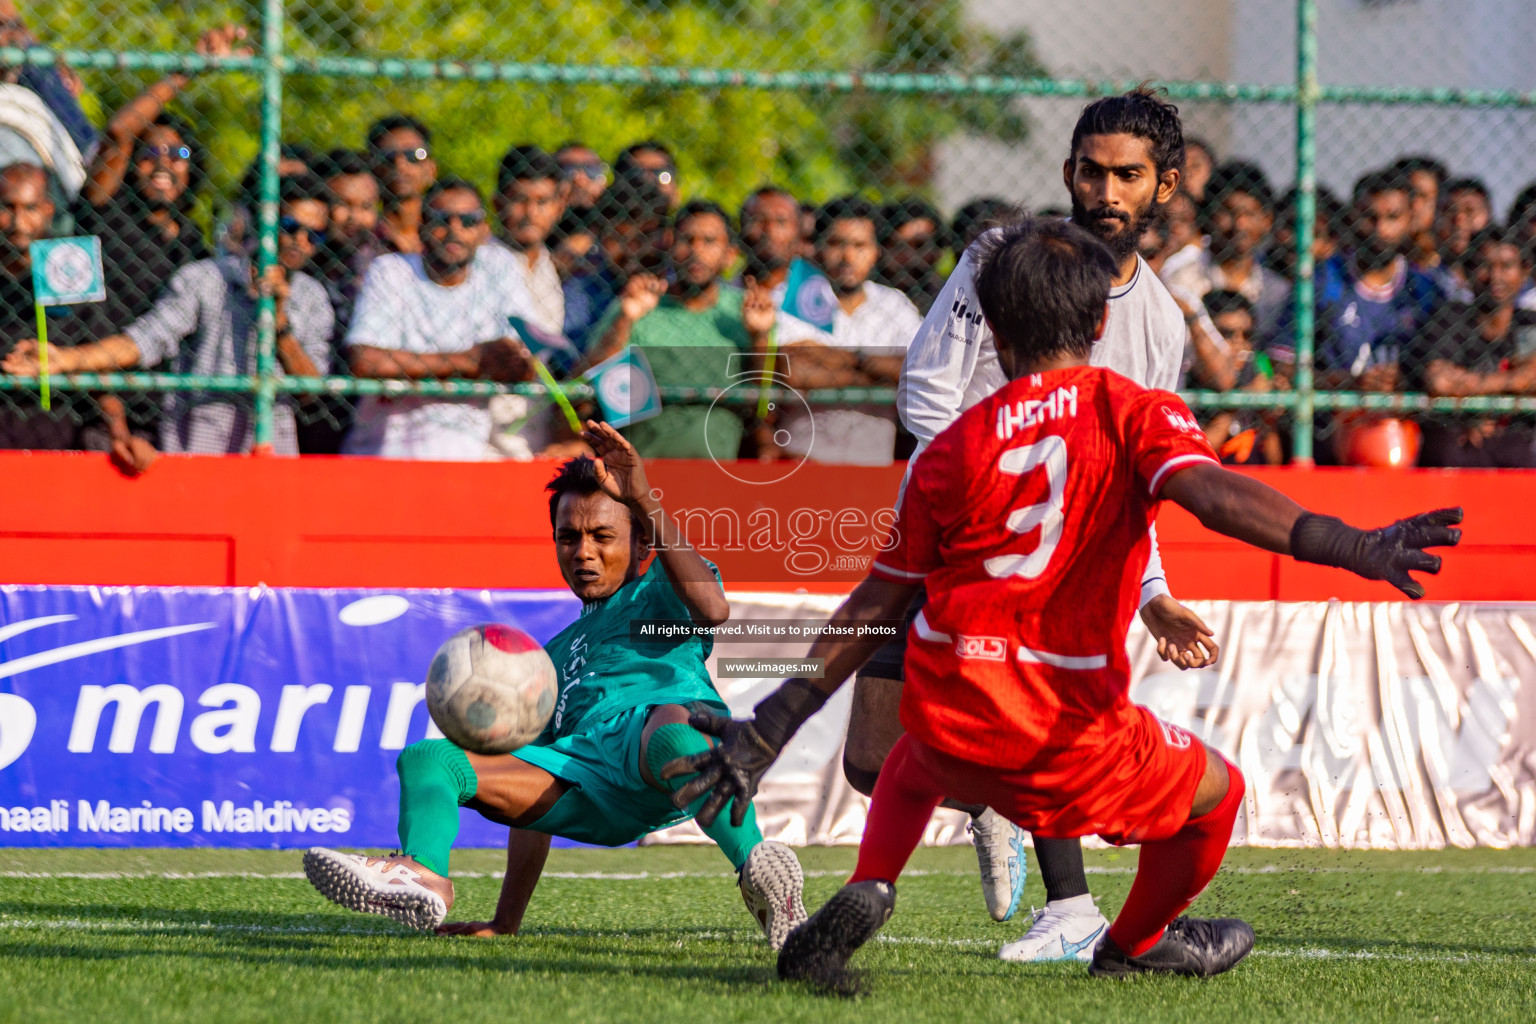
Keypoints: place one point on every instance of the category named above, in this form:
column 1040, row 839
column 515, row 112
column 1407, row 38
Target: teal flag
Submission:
column 809, row 295
column 625, row 388
column 67, row 271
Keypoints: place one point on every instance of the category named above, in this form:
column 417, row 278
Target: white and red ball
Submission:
column 491, row 688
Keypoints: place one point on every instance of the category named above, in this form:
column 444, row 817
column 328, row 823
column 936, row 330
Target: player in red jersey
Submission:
column 1026, row 521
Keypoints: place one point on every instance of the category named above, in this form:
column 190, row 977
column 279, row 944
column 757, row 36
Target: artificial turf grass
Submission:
column 1336, row 941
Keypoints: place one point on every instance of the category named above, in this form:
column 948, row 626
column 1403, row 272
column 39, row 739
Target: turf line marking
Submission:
column 212, row 927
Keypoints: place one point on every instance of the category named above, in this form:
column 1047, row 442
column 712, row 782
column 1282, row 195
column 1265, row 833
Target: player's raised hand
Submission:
column 1389, row 553
column 620, row 471
column 729, row 773
column 1183, row 638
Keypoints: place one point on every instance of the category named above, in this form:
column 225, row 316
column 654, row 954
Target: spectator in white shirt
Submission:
column 440, row 313
column 530, row 198
column 871, row 328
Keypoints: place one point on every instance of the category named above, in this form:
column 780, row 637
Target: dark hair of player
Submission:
column 452, row 184
column 1142, row 112
column 526, row 163
column 1376, row 183
column 579, row 476
column 1042, row 285
column 1239, row 176
column 845, row 208
column 1220, row 302
column 701, row 207
column 393, row 123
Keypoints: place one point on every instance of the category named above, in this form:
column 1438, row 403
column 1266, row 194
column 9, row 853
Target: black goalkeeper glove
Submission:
column 747, row 750
column 1389, row 553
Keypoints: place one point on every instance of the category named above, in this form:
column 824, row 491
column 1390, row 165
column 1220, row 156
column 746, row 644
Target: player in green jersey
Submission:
column 622, row 711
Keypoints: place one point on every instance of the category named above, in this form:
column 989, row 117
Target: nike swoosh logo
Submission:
column 1071, row 949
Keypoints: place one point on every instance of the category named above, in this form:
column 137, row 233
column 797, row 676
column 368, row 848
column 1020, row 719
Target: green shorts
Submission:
column 608, row 804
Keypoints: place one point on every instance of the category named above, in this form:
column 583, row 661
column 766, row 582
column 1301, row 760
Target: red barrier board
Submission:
column 334, row 522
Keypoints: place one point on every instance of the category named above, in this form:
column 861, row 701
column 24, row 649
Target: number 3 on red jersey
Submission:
column 1050, row 452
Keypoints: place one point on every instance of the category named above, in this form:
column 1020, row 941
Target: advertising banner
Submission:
column 272, row 718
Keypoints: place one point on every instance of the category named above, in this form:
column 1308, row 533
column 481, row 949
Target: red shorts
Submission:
column 1133, row 785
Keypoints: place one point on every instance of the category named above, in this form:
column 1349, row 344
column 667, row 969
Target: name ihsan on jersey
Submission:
column 1031, row 412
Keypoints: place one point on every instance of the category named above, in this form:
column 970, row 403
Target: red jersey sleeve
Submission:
column 911, row 551
column 1162, row 436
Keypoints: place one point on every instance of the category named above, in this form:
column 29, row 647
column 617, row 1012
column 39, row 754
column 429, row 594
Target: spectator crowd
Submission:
column 391, row 267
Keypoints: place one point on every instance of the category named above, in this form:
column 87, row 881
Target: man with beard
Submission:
column 143, row 180
column 871, row 328
column 1124, row 163
column 1483, row 347
column 690, row 330
column 205, row 323
column 440, row 313
column 1238, row 213
column 770, row 235
column 530, row 197
column 1372, row 304
column 352, row 241
column 400, row 151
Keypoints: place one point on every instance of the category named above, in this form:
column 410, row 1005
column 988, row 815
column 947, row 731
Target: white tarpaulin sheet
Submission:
column 1388, row 726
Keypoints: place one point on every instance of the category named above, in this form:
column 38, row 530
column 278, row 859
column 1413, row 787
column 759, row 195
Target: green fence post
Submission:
column 271, row 136
column 1306, row 216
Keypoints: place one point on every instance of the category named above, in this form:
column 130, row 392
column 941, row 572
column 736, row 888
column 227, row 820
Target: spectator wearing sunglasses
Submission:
column 437, row 314
column 400, row 153
column 143, row 180
column 205, row 323
column 584, row 172
column 652, row 158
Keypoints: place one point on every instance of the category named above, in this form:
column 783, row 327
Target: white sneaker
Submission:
column 395, row 887
column 1064, row 930
column 1000, row 852
column 773, row 887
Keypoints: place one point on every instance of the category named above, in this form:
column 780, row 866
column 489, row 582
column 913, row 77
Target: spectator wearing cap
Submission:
column 400, row 153
column 440, row 313
column 1486, row 346
column 585, row 174
column 1199, row 165
column 205, row 323
column 1465, row 211
column 912, row 241
column 1238, row 213
column 633, row 233
column 1243, row 437
column 26, row 216
column 871, row 329
column 1371, row 302
column 654, row 159
column 1426, row 176
column 530, row 199
column 145, row 177
column 694, row 331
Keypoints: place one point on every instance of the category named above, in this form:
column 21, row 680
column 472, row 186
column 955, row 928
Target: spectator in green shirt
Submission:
column 689, row 330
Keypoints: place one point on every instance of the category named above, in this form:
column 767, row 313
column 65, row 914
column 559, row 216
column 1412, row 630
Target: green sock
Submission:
column 435, row 779
column 677, row 740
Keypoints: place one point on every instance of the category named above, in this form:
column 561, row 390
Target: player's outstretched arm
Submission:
column 526, row 853
column 732, row 770
column 621, row 473
column 1242, row 507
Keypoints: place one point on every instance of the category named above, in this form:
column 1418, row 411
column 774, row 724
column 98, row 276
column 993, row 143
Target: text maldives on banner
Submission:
column 169, row 716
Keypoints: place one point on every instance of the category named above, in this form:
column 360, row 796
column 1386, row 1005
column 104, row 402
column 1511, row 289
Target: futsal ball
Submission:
column 491, row 688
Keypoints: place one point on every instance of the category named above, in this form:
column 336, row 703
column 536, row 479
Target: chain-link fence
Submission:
column 404, row 229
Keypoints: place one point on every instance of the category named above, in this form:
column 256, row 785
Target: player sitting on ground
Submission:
column 622, row 712
column 1026, row 521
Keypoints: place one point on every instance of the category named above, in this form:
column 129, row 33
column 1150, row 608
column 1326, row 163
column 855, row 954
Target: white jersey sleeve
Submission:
column 952, row 361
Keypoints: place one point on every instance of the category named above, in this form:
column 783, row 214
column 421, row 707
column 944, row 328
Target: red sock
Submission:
column 1174, row 871
column 904, row 799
